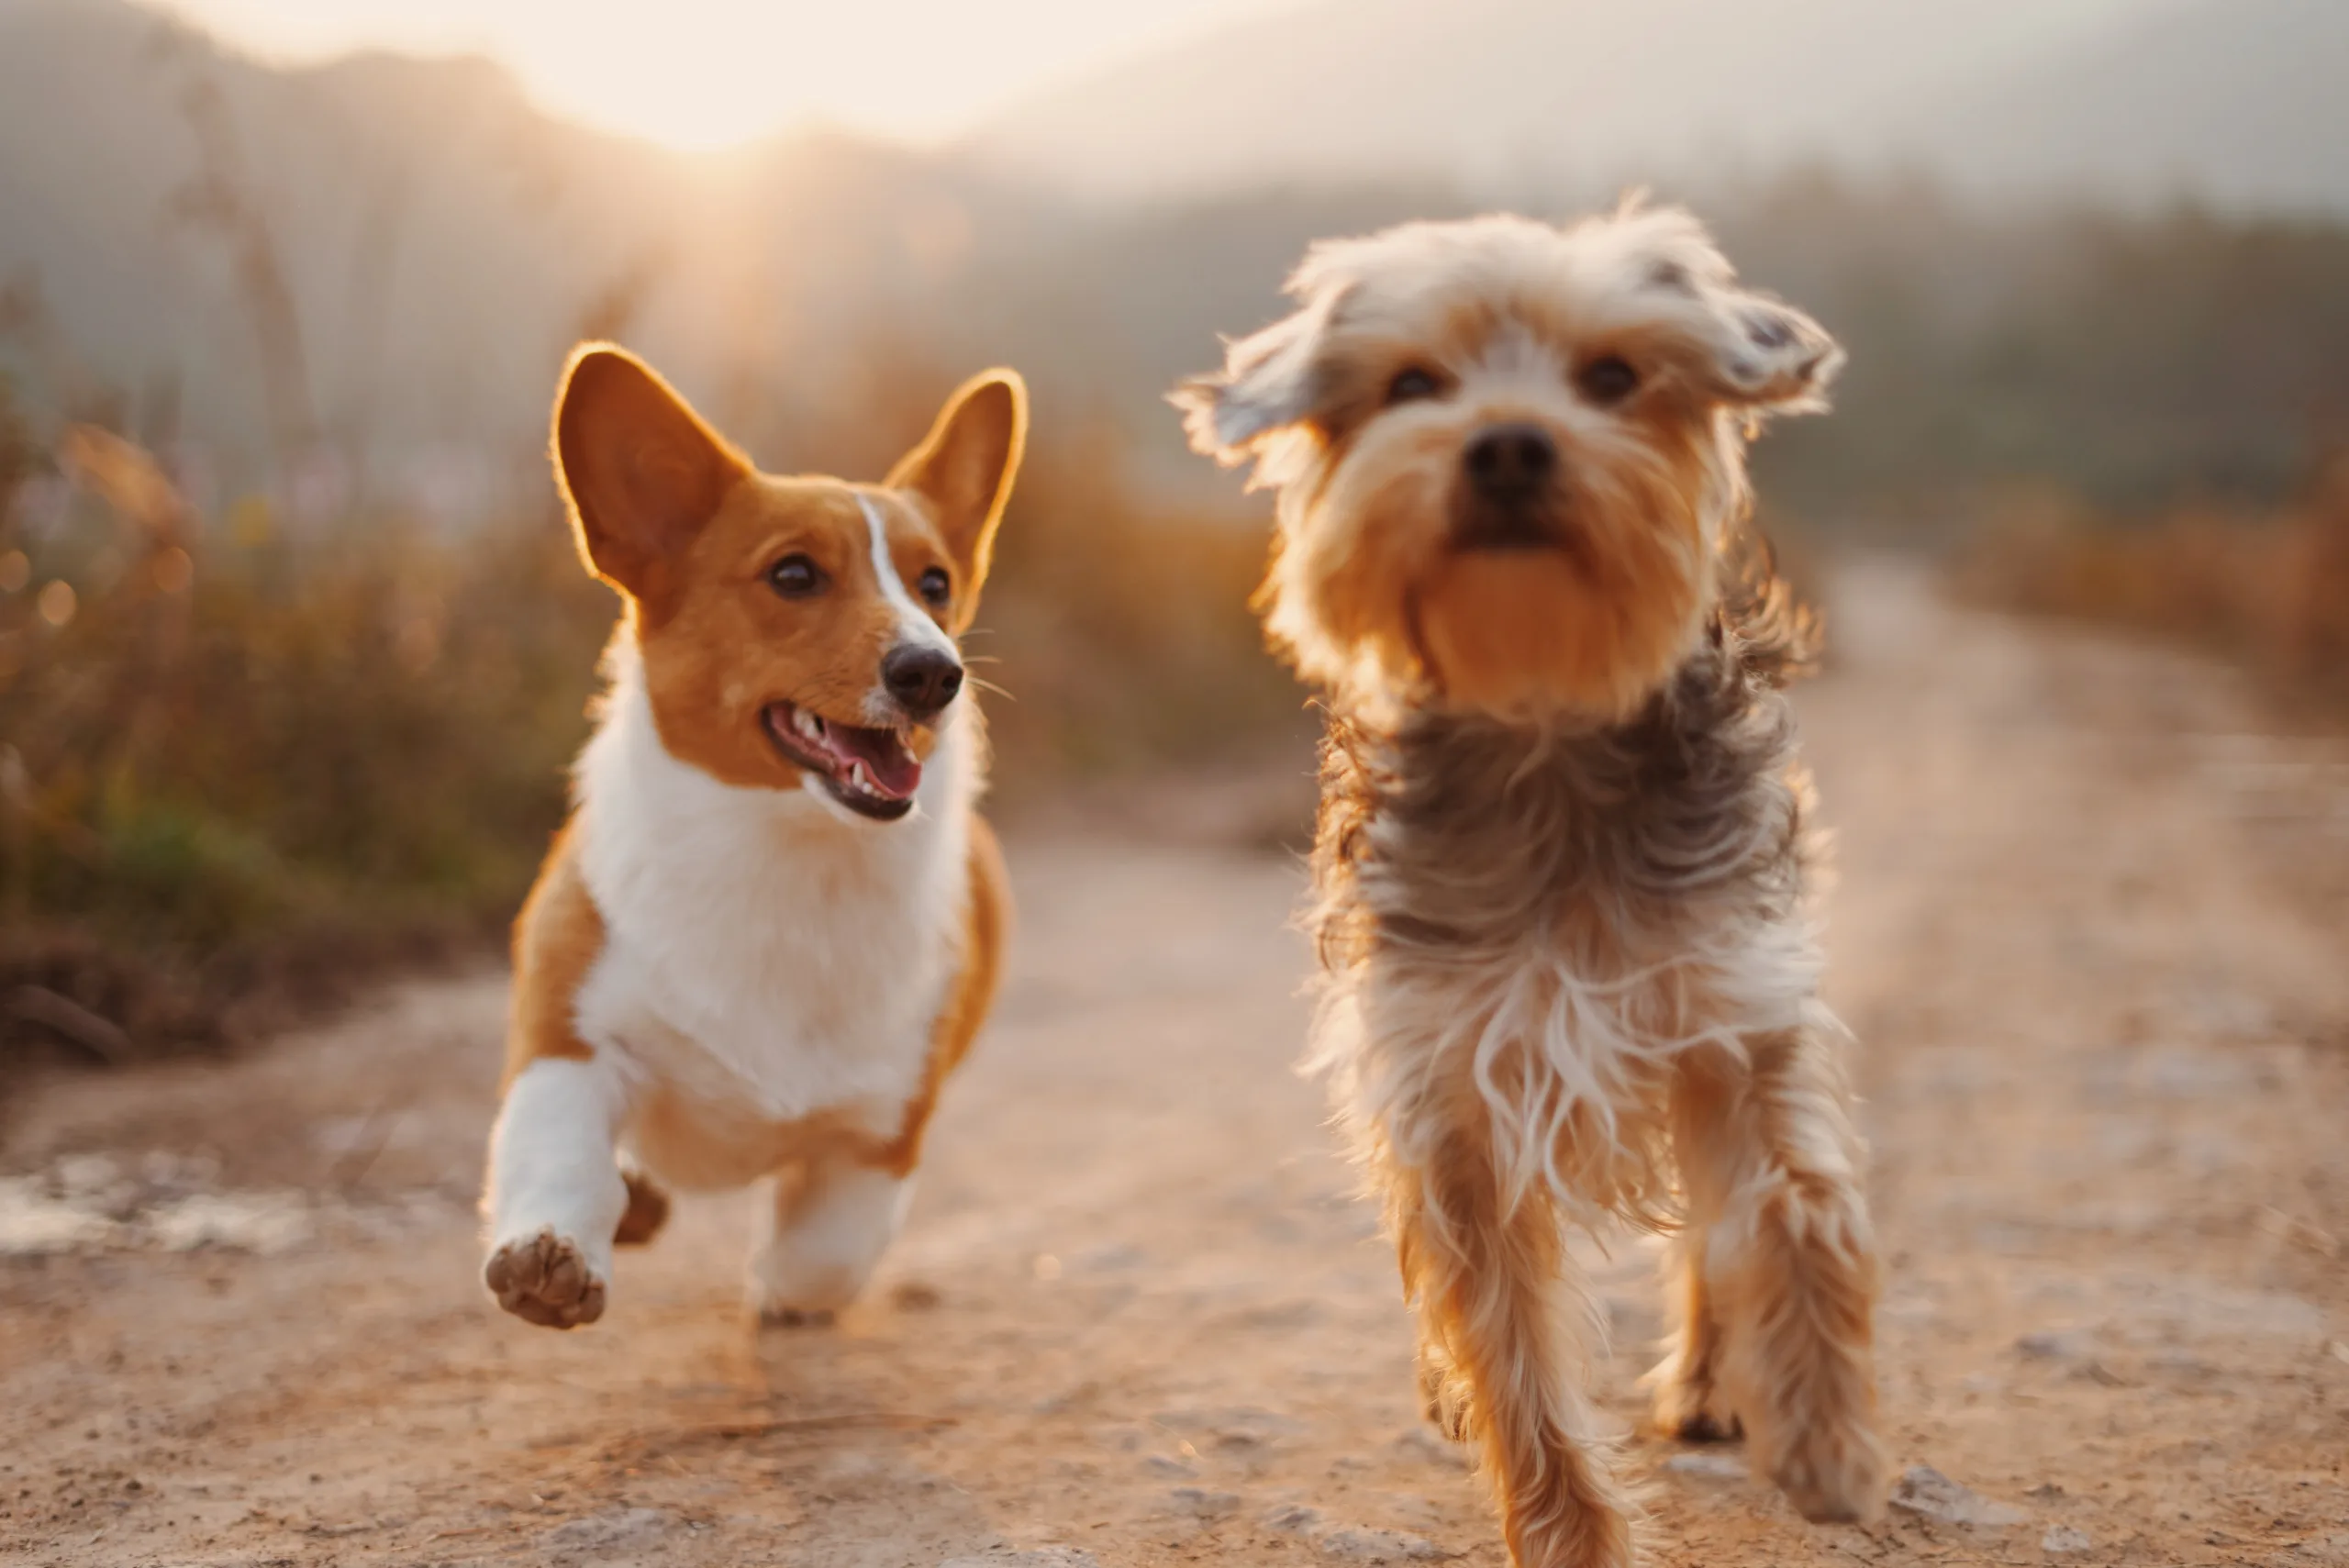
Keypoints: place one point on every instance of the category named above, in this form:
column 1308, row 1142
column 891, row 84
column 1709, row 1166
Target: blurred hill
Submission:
column 427, row 229
column 355, row 282
column 299, row 687
column 433, row 240
column 2235, row 102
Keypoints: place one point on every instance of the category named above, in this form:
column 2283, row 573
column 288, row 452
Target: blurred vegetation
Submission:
column 2132, row 359
column 294, row 695
column 242, row 762
column 2267, row 590
column 238, row 760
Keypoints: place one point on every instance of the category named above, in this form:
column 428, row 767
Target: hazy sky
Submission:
column 709, row 73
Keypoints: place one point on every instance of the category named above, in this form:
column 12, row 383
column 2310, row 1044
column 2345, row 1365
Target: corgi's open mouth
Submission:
column 872, row 772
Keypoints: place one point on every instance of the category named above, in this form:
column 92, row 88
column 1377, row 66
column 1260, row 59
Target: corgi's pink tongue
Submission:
column 889, row 768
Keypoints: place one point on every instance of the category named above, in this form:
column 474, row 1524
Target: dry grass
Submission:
column 242, row 765
column 2271, row 592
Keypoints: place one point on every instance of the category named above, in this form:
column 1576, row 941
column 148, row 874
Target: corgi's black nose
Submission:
column 923, row 680
column 1509, row 462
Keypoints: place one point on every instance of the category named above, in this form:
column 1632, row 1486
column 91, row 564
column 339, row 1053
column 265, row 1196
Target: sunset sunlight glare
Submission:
column 706, row 74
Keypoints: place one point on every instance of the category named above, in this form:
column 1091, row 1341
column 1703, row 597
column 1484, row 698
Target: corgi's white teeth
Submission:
column 874, row 770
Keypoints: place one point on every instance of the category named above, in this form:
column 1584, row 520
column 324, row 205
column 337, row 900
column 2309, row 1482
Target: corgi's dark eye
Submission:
column 796, row 577
column 1607, row 381
column 1411, row 386
column 935, row 587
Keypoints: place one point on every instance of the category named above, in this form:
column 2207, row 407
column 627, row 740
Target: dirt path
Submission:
column 2091, row 933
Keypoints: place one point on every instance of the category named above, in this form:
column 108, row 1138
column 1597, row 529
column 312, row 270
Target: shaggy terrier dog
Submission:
column 1570, row 976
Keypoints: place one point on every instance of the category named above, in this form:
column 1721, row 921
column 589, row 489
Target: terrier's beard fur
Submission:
column 1621, row 351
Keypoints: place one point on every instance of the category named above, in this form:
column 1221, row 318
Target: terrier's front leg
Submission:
column 1504, row 1326
column 822, row 1237
column 1687, row 1402
column 555, row 1194
column 1773, row 1166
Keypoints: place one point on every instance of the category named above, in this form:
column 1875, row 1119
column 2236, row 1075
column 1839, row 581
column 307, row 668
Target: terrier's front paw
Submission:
column 545, row 1279
column 1444, row 1399
column 1686, row 1410
column 1704, row 1427
column 1834, row 1475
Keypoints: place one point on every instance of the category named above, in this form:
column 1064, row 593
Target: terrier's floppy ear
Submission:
column 1735, row 346
column 640, row 470
column 1766, row 356
column 1270, row 381
column 965, row 466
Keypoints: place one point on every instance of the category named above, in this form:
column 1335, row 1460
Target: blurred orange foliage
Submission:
column 243, row 761
column 2271, row 591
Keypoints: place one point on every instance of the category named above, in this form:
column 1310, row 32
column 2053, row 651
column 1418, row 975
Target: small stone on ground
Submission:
column 1927, row 1493
column 1377, row 1546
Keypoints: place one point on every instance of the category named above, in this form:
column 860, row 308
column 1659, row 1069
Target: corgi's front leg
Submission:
column 556, row 1196
column 821, row 1238
column 555, row 1192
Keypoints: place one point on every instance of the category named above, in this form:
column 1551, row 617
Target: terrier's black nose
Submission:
column 1509, row 462
column 922, row 679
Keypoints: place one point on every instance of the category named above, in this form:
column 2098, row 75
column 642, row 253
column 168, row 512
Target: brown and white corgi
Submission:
column 775, row 921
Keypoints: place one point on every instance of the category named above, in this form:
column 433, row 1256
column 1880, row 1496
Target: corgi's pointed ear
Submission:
column 640, row 470
column 964, row 467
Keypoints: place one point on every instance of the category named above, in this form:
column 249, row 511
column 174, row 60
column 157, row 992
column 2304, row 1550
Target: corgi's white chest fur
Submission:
column 767, row 955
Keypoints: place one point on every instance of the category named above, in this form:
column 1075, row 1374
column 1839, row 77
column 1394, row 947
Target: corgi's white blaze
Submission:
column 766, row 956
column 551, row 1158
column 914, row 625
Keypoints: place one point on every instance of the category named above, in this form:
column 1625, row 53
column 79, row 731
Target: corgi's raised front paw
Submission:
column 545, row 1279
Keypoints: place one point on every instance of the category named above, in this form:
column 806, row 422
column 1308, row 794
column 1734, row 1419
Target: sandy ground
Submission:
column 2089, row 929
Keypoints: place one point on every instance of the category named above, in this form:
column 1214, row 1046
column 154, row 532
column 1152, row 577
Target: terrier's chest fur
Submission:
column 1551, row 919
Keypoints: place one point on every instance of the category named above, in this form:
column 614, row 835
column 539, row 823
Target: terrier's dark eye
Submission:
column 1412, row 386
column 935, row 587
column 796, row 577
column 1607, row 381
